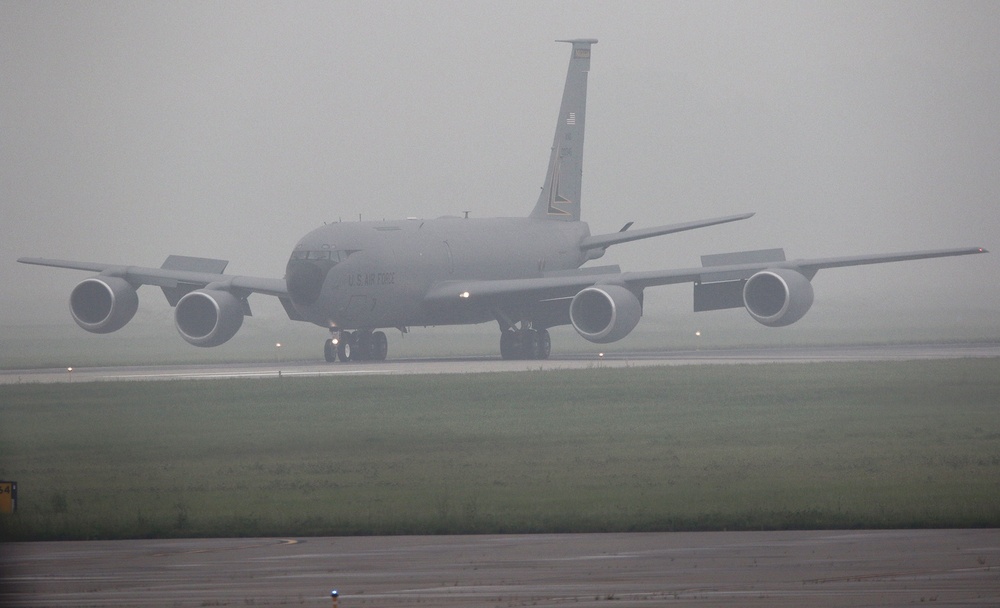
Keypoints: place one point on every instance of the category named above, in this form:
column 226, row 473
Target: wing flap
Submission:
column 720, row 295
column 740, row 258
column 743, row 257
column 178, row 290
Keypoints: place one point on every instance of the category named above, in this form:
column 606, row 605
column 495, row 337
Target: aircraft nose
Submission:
column 304, row 279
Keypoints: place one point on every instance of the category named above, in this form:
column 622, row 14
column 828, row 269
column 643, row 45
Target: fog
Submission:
column 131, row 131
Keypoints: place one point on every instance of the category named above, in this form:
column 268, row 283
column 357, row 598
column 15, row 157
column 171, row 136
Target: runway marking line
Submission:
column 280, row 541
column 891, row 575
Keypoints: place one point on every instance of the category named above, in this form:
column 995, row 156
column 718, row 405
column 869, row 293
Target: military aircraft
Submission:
column 525, row 273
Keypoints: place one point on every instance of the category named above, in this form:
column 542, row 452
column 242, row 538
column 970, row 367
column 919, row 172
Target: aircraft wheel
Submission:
column 508, row 344
column 346, row 347
column 529, row 340
column 363, row 347
column 330, row 351
column 543, row 344
column 380, row 346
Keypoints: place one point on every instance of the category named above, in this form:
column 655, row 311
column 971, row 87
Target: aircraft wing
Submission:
column 179, row 272
column 808, row 267
column 544, row 288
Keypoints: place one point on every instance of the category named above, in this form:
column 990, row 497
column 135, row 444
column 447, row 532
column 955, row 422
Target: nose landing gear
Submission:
column 362, row 345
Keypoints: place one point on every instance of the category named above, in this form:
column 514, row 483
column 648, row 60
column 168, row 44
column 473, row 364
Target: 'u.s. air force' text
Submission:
column 371, row 279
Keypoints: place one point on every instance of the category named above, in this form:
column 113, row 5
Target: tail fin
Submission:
column 560, row 197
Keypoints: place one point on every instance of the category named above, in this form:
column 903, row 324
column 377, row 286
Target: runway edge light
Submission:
column 8, row 496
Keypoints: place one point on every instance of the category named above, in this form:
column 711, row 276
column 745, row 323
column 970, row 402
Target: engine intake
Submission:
column 604, row 313
column 102, row 305
column 777, row 297
column 208, row 317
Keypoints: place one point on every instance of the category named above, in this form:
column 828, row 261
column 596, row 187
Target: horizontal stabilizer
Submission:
column 600, row 241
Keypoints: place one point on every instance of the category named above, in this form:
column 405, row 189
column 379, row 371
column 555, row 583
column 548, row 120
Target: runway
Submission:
column 804, row 568
column 797, row 354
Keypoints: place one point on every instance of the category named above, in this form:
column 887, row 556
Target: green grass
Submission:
column 913, row 444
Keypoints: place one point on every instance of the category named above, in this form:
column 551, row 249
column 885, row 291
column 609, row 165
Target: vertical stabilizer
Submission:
column 560, row 197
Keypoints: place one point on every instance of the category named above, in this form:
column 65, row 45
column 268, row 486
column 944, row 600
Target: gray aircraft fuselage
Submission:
column 366, row 275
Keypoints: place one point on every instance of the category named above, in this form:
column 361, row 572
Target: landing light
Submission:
column 464, row 294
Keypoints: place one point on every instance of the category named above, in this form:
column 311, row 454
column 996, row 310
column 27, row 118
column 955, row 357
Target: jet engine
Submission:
column 604, row 313
column 777, row 297
column 102, row 305
column 208, row 317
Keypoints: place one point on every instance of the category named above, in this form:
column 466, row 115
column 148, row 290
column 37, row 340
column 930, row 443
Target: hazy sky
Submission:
column 133, row 130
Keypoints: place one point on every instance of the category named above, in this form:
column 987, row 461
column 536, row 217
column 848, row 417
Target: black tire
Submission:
column 543, row 344
column 346, row 347
column 363, row 346
column 529, row 339
column 508, row 344
column 380, row 346
column 330, row 351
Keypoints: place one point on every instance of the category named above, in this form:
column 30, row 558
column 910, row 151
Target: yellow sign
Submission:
column 8, row 496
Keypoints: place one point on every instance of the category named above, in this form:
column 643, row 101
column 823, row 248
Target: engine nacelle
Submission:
column 604, row 313
column 777, row 297
column 208, row 317
column 102, row 305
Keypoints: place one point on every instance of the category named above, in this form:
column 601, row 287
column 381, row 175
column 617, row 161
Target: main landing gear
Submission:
column 525, row 344
column 356, row 346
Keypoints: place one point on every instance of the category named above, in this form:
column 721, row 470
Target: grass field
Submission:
column 911, row 444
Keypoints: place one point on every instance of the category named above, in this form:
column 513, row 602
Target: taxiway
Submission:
column 798, row 354
column 803, row 568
